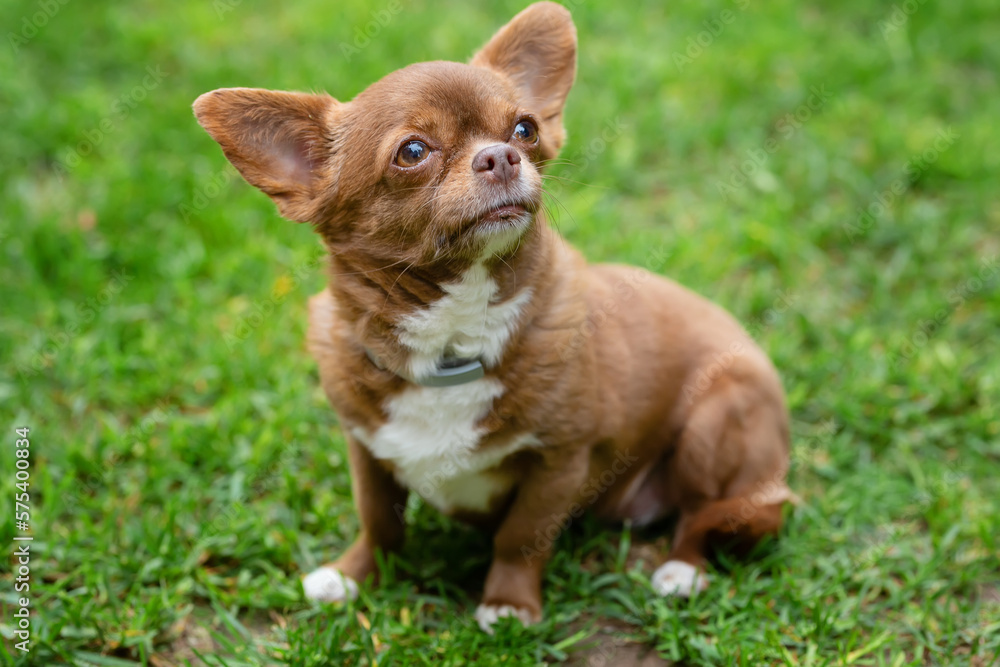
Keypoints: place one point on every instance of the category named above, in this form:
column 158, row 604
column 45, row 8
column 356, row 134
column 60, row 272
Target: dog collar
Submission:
column 449, row 373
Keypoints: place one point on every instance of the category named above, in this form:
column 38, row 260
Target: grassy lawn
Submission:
column 826, row 171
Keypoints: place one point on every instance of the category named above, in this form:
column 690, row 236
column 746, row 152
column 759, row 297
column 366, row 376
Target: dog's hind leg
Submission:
column 728, row 474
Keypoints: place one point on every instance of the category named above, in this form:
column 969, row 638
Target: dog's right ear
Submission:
column 536, row 51
column 279, row 141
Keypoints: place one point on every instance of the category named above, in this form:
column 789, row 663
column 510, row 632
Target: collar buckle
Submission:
column 450, row 373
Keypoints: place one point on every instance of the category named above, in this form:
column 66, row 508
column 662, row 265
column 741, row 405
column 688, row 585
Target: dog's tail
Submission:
column 737, row 523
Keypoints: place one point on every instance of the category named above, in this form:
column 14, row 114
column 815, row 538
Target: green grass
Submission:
column 186, row 468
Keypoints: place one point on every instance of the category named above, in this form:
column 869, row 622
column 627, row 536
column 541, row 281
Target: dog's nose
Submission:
column 499, row 162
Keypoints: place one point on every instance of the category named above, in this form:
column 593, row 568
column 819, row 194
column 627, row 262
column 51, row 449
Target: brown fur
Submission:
column 603, row 362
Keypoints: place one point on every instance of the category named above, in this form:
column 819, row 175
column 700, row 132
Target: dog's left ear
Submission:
column 536, row 51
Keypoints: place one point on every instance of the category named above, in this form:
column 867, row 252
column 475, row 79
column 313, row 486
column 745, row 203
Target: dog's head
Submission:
column 438, row 158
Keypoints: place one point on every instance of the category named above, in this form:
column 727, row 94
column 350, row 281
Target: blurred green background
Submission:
column 825, row 171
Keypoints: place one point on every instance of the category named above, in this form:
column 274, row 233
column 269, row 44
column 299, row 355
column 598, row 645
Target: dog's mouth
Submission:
column 506, row 215
column 495, row 228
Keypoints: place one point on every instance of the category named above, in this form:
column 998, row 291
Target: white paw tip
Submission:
column 328, row 585
column 488, row 614
column 678, row 578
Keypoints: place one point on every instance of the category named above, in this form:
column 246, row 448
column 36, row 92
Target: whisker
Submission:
column 561, row 205
column 391, row 287
column 563, row 179
column 557, row 161
column 358, row 273
column 418, row 187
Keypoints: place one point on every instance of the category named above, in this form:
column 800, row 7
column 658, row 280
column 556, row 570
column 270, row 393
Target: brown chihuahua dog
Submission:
column 474, row 357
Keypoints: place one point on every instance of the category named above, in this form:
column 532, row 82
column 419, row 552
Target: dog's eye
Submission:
column 412, row 153
column 526, row 131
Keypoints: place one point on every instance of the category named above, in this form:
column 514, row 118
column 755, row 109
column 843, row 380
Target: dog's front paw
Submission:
column 329, row 585
column 488, row 614
column 675, row 577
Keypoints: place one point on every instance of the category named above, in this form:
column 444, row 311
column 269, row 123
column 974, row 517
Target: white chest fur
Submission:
column 465, row 322
column 431, row 434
